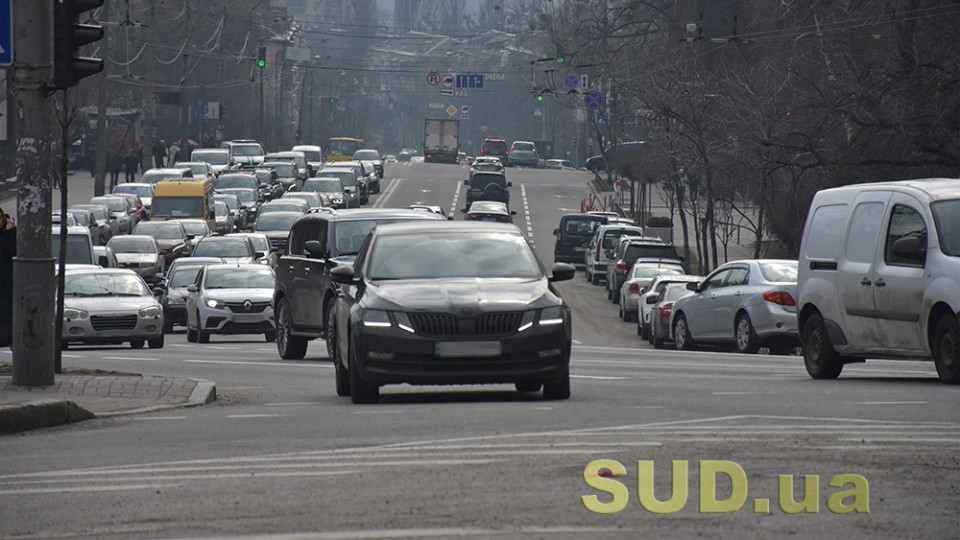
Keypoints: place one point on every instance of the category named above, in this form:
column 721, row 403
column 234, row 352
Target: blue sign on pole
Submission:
column 469, row 81
column 6, row 33
column 572, row 82
column 593, row 100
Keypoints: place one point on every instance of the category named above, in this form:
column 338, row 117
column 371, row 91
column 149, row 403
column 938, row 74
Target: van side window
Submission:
column 863, row 232
column 904, row 221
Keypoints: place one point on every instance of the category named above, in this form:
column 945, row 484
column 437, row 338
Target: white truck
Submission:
column 441, row 140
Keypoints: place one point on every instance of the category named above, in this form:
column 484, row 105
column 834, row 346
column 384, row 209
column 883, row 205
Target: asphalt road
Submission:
column 279, row 455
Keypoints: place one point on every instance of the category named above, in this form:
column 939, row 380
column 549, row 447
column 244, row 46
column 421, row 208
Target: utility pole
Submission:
column 99, row 183
column 34, row 342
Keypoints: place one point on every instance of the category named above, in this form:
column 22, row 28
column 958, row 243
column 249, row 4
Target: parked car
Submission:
column 604, row 239
column 139, row 253
column 107, row 224
column 389, row 332
column 171, row 292
column 661, row 310
column 236, row 250
column 748, row 303
column 106, row 305
column 880, row 276
column 172, row 239
column 573, row 236
column 230, row 299
column 650, row 294
column 488, row 211
column 641, row 274
column 523, row 153
column 629, row 251
column 559, row 164
column 328, row 187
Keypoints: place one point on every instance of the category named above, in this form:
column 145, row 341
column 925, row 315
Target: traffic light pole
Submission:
column 34, row 339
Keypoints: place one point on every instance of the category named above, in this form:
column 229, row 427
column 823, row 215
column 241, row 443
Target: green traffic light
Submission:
column 540, row 97
column 261, row 63
column 333, row 100
column 559, row 59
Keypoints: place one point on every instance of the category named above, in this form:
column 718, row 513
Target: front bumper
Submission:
column 110, row 327
column 228, row 321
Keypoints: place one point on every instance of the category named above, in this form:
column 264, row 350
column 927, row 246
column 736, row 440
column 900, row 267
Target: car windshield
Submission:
column 610, row 237
column 523, row 146
column 82, row 218
column 343, row 148
column 159, row 230
column 78, row 248
column 779, row 271
column 322, row 186
column 946, row 216
column 104, row 284
column 195, row 227
column 239, row 278
column 154, row 177
column 221, row 210
column 129, row 244
column 260, row 243
column 142, row 191
column 287, row 205
column 494, row 146
column 275, row 222
column 223, row 248
column 312, row 198
column 247, row 150
column 312, row 155
column 649, row 271
column 184, row 276
column 99, row 213
column 213, row 158
column 174, row 207
column 636, row 251
column 231, row 202
column 434, row 255
column 116, row 204
column 283, row 170
column 236, row 181
column 347, row 178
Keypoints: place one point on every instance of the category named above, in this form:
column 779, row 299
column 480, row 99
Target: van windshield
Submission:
column 946, row 215
column 177, row 207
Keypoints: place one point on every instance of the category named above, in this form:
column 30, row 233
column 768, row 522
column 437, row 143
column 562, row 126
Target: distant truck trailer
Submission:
column 441, row 140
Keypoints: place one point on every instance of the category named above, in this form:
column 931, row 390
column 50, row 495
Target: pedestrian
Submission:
column 130, row 164
column 173, row 154
column 138, row 150
column 55, row 166
column 113, row 167
column 8, row 250
column 159, row 153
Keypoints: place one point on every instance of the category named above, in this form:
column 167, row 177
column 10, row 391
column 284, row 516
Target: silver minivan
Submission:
column 879, row 276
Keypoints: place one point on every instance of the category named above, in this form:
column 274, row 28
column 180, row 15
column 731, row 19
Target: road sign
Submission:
column 448, row 80
column 496, row 76
column 602, row 119
column 538, row 112
column 433, row 78
column 469, row 81
column 593, row 100
column 464, row 109
column 451, row 110
column 463, row 92
column 571, row 82
column 6, row 33
column 464, row 116
column 446, row 91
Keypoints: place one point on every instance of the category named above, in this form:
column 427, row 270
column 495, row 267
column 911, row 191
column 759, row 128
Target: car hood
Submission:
column 239, row 295
column 462, row 296
column 109, row 305
column 136, row 258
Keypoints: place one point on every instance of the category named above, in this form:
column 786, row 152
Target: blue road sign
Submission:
column 572, row 82
column 593, row 100
column 6, row 33
column 469, row 81
column 602, row 119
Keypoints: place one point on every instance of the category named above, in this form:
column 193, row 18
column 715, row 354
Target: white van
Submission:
column 879, row 276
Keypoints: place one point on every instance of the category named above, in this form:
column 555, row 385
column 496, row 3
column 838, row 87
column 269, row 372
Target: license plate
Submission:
column 467, row 348
column 579, row 248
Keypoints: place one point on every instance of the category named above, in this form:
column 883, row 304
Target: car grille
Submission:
column 122, row 322
column 255, row 307
column 443, row 324
column 278, row 244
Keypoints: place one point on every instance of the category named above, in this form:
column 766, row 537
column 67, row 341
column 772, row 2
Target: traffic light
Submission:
column 261, row 56
column 559, row 59
column 68, row 37
column 332, row 100
column 539, row 97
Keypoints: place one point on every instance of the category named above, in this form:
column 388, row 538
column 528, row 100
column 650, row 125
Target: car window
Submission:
column 737, row 276
column 946, row 216
column 184, row 276
column 779, row 271
column 231, row 278
column 716, row 281
column 582, row 225
column 223, row 249
column 126, row 244
column 275, row 221
column 904, row 222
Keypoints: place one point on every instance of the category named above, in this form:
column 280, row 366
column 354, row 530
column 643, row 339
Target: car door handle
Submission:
column 880, row 283
column 865, row 282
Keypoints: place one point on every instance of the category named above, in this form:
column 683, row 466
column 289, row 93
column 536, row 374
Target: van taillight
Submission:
column 599, row 245
column 779, row 297
column 621, row 266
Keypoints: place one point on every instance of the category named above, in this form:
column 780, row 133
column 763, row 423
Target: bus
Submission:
column 342, row 148
column 180, row 198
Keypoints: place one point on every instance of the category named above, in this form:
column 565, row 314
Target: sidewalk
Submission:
column 82, row 394
column 79, row 190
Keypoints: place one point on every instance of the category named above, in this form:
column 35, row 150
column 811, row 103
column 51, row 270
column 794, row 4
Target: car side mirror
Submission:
column 562, row 272
column 556, row 232
column 344, row 275
column 509, row 184
column 258, row 254
column 463, row 210
column 652, row 299
column 466, row 182
column 693, row 286
column 513, row 212
column 103, row 261
column 192, row 288
column 158, row 291
column 314, row 249
column 913, row 248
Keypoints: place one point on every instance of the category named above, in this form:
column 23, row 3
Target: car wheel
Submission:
column 342, row 376
column 137, row 343
column 330, row 329
column 360, row 392
column 289, row 346
column 270, row 336
column 528, row 386
column 609, row 294
column 649, row 332
column 746, row 337
column 191, row 335
column 639, row 326
column 620, row 311
column 614, row 295
column 595, row 279
column 202, row 337
column 559, row 389
column 656, row 340
column 156, row 343
column 681, row 335
column 946, row 349
column 819, row 356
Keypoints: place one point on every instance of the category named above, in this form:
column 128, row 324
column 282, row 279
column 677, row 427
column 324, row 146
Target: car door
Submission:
column 899, row 283
column 855, row 269
column 190, row 303
column 727, row 300
column 700, row 306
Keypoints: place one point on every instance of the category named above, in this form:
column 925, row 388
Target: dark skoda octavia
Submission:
column 450, row 303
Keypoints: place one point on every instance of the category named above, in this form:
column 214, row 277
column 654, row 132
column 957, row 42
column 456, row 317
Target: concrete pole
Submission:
column 34, row 309
column 100, row 179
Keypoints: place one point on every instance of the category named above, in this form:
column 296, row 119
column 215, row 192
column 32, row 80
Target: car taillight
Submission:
column 665, row 310
column 634, row 287
column 779, row 297
column 506, row 152
column 622, row 266
column 473, row 216
column 504, row 219
column 599, row 245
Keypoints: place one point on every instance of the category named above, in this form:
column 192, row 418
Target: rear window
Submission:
column 653, row 251
column 610, row 237
column 494, row 146
column 480, row 180
column 523, row 146
column 582, row 225
column 779, row 271
column 825, row 232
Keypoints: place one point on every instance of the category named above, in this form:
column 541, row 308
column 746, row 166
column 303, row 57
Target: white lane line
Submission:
column 526, row 214
column 133, row 358
column 453, row 204
column 152, row 418
column 376, row 412
column 741, row 393
column 889, row 402
column 387, row 193
column 278, row 363
column 599, row 378
column 241, row 416
column 291, row 404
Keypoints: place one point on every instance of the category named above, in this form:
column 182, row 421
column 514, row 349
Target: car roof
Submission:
column 933, row 189
column 94, row 269
column 372, row 213
column 444, row 225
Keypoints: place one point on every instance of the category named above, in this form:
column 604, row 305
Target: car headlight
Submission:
column 71, row 313
column 527, row 320
column 376, row 318
column 551, row 315
column 150, row 312
column 176, row 300
column 264, row 261
column 215, row 304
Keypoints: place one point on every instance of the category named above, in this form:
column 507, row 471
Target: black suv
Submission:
column 573, row 235
column 627, row 253
column 488, row 185
column 495, row 147
column 320, row 241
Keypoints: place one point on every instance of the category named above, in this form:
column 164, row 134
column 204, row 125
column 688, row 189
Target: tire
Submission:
column 342, row 376
column 819, row 356
column 649, row 332
column 289, row 347
column 656, row 340
column 620, row 311
column 202, row 337
column 946, row 349
column 681, row 333
column 270, row 336
column 528, row 386
column 746, row 337
column 609, row 294
column 167, row 327
column 556, row 390
column 156, row 343
column 191, row 335
column 595, row 279
column 330, row 329
column 137, row 343
column 360, row 392
column 639, row 327
column 615, row 294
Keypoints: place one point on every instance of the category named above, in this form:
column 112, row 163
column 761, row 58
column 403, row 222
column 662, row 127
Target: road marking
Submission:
column 377, row 412
column 133, row 358
column 134, row 417
column 888, row 402
column 453, row 204
column 385, row 195
column 278, row 363
column 741, row 393
column 253, row 415
column 292, row 404
column 598, row 377
column 526, row 214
